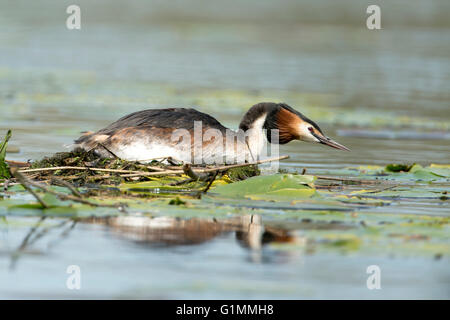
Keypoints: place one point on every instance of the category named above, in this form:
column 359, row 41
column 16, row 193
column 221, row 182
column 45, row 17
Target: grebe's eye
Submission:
column 311, row 129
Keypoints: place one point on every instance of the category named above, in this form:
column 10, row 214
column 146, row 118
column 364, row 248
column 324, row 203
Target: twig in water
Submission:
column 346, row 179
column 63, row 234
column 382, row 189
column 211, row 182
column 63, row 183
column 62, row 196
column 44, row 231
column 23, row 181
column 195, row 176
column 15, row 255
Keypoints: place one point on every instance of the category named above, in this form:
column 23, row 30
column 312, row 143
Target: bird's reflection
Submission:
column 250, row 232
column 249, row 229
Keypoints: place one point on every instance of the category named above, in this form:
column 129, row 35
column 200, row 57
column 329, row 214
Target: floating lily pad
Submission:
column 279, row 183
column 399, row 172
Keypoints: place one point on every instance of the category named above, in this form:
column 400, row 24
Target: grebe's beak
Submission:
column 331, row 143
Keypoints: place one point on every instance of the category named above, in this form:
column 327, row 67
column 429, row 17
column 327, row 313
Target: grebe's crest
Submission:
column 289, row 123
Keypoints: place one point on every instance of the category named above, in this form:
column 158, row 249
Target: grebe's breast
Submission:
column 183, row 134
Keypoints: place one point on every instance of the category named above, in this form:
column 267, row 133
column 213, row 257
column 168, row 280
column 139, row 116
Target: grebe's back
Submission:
column 148, row 134
column 173, row 118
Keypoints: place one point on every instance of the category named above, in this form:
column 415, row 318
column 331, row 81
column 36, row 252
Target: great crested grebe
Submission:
column 195, row 137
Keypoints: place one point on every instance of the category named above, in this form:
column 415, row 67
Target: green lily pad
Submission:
column 442, row 170
column 286, row 194
column 265, row 184
column 399, row 172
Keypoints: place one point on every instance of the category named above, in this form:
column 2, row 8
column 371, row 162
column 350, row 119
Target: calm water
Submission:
column 118, row 267
column 55, row 83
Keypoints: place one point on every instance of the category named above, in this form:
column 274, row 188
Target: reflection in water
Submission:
column 219, row 269
column 38, row 231
column 250, row 231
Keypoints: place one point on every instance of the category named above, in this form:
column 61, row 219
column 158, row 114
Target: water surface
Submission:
column 222, row 59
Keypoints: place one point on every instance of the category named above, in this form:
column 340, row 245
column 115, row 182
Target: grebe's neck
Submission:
column 256, row 116
column 256, row 138
column 254, row 124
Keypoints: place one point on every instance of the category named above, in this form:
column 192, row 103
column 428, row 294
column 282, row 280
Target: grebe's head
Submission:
column 291, row 124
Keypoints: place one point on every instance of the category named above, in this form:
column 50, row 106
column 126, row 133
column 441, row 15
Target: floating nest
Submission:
column 82, row 168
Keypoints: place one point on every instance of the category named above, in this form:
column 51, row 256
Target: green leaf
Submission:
column 52, row 200
column 265, row 184
column 286, row 194
column 396, row 167
column 442, row 170
column 4, row 171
